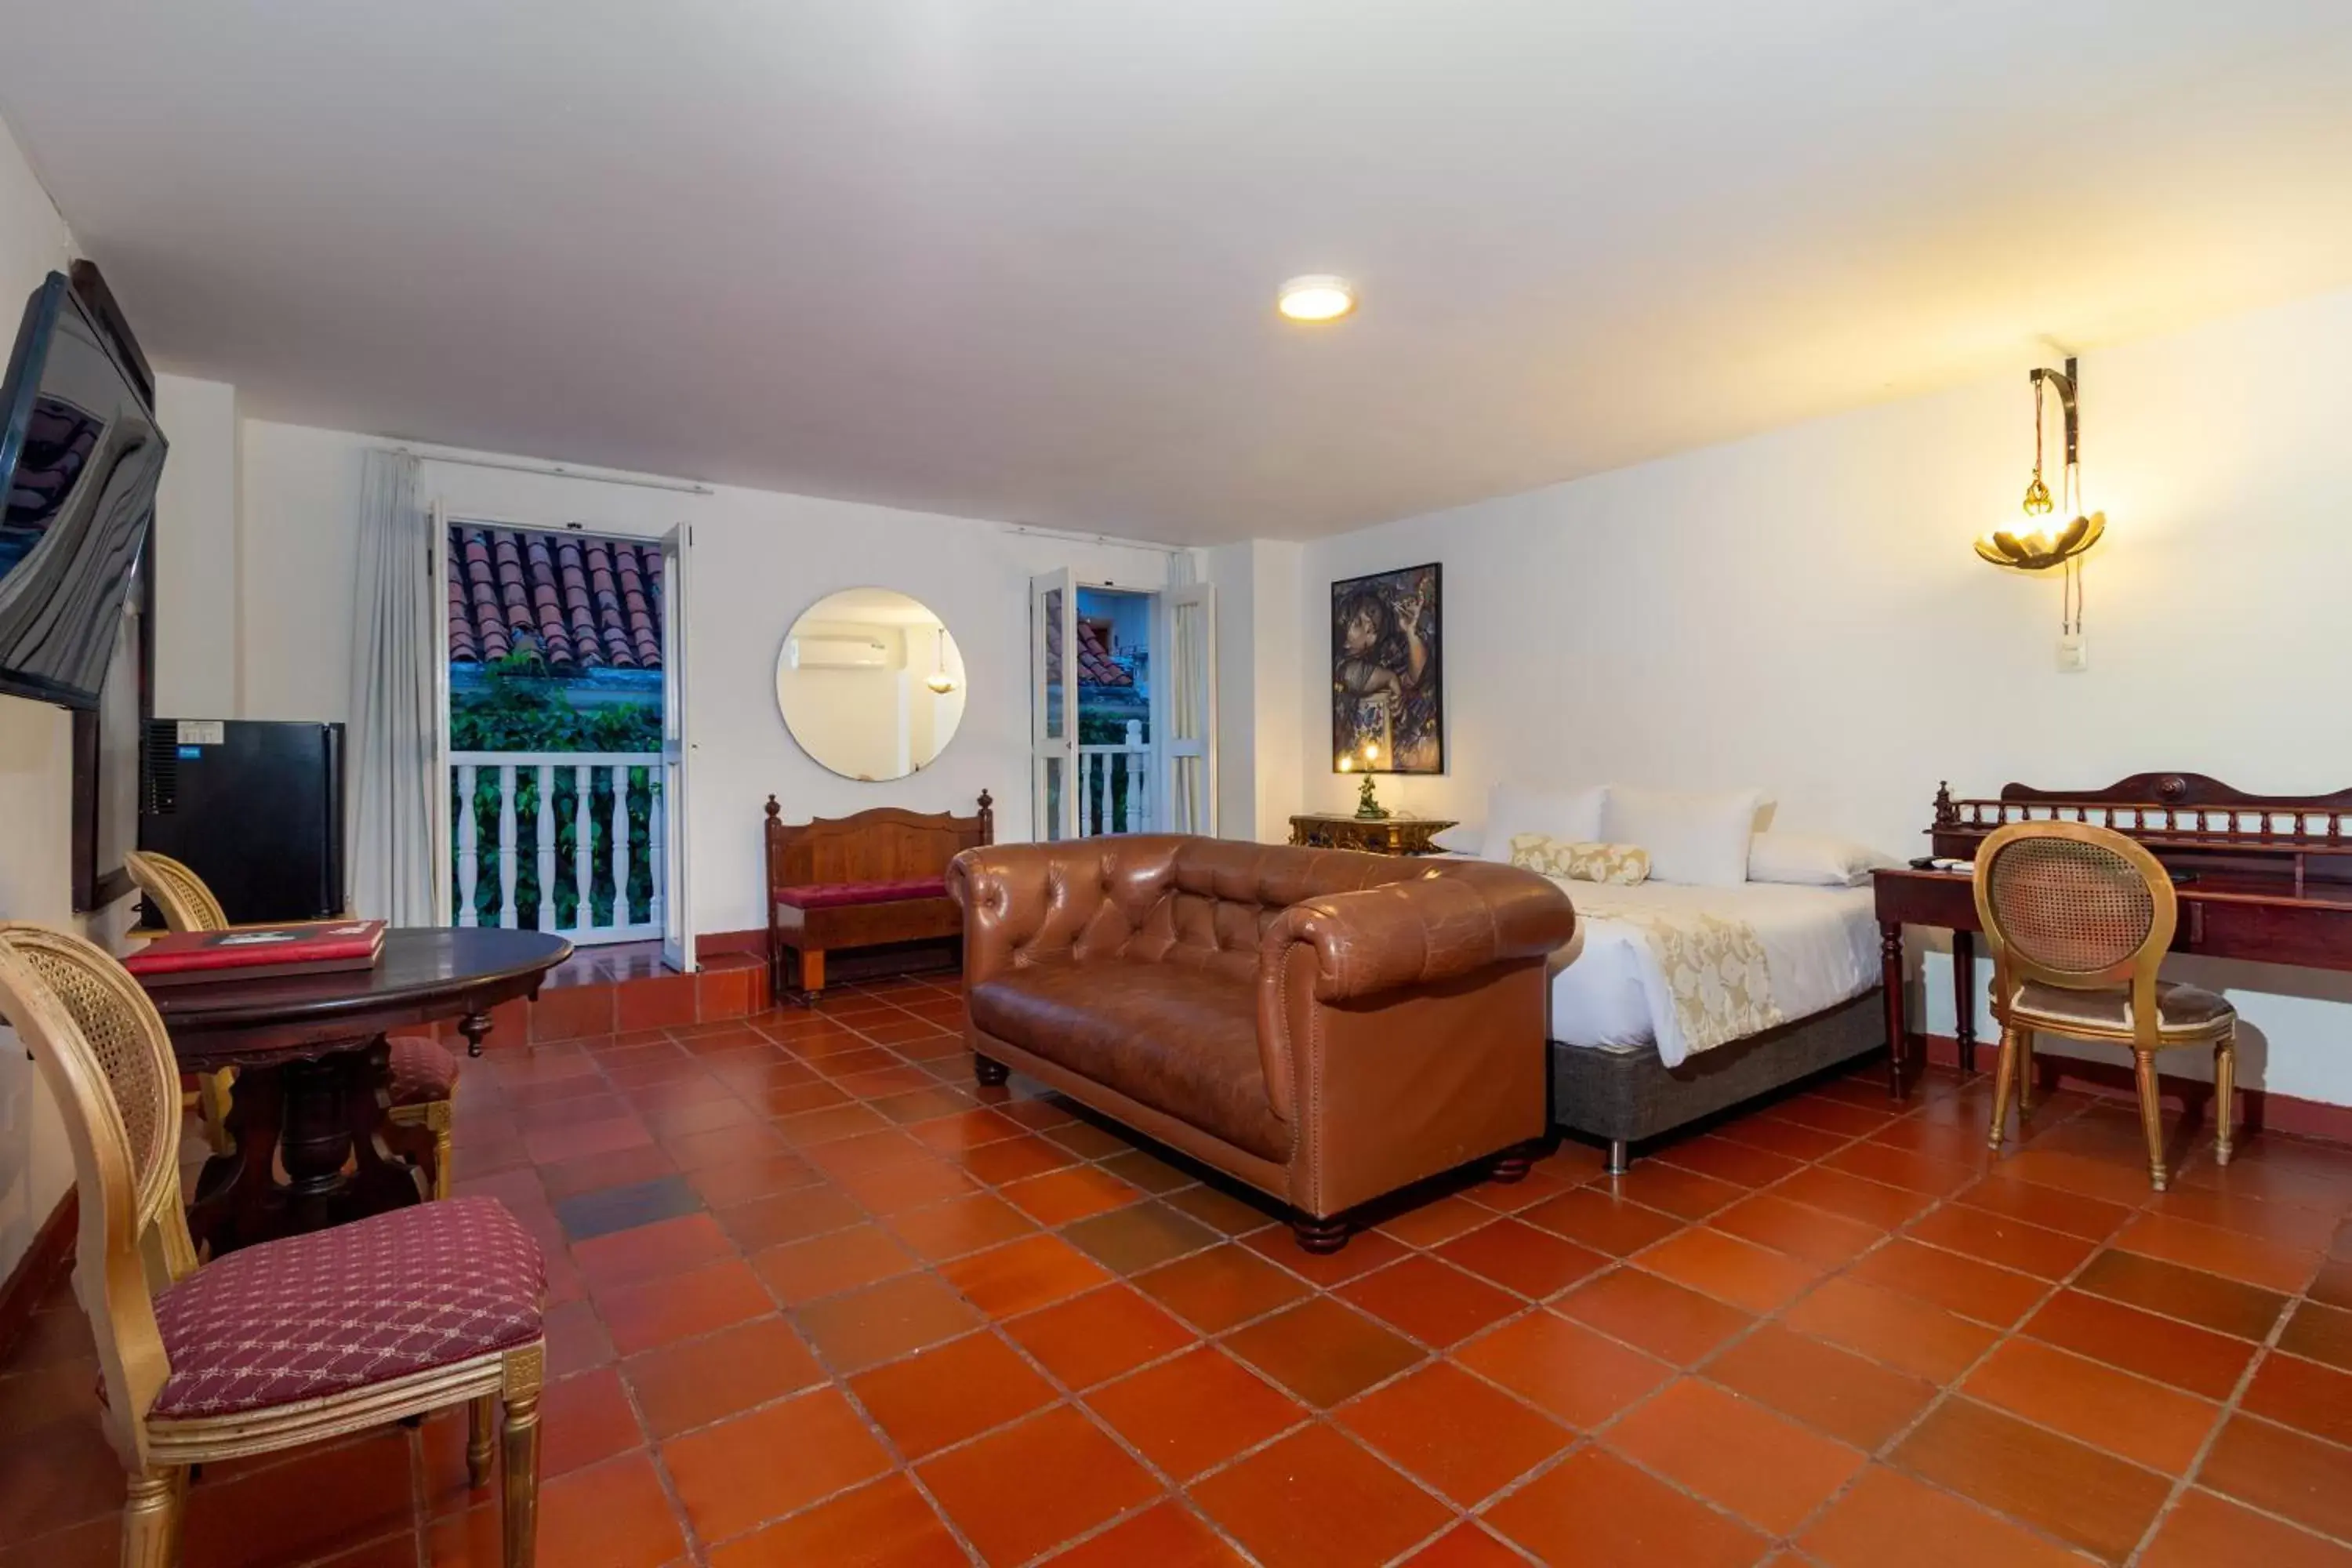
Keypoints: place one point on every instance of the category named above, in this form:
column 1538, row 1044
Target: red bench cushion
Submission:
column 834, row 894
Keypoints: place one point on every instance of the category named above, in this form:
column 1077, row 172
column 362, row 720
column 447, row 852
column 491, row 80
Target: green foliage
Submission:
column 516, row 706
column 642, row 786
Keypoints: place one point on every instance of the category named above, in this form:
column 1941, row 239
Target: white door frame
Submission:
column 677, row 915
column 1163, row 661
column 1045, row 746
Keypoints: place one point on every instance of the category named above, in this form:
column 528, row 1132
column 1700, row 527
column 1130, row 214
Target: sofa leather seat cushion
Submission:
column 835, row 895
column 1161, row 1034
column 354, row 1304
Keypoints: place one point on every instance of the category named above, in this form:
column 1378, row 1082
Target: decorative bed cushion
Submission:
column 1572, row 817
column 1700, row 840
column 1625, row 865
column 835, row 895
column 348, row 1306
column 422, row 1070
column 1811, row 860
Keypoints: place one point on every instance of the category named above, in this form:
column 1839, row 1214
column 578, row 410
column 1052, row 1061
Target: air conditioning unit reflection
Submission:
column 840, row 653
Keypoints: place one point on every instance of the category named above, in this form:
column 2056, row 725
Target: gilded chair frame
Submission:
column 2138, row 974
column 183, row 900
column 56, row 990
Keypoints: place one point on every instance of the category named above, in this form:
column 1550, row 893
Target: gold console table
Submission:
column 1376, row 835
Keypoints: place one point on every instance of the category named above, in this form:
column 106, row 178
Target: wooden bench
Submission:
column 861, row 882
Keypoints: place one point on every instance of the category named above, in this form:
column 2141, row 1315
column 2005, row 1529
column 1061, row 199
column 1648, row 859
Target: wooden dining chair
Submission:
column 282, row 1343
column 424, row 1076
column 2079, row 918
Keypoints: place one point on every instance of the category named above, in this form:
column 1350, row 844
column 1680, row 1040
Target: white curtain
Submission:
column 1190, row 810
column 396, row 640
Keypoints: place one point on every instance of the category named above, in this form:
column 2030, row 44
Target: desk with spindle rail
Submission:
column 2261, row 878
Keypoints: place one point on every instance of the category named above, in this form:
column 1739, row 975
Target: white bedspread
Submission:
column 1820, row 945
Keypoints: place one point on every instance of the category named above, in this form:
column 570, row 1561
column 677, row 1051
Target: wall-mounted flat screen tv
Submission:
column 80, row 457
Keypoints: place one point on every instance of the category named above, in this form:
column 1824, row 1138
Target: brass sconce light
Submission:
column 2038, row 547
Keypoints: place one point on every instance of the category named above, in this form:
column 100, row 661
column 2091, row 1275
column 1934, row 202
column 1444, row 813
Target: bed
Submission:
column 1675, row 1002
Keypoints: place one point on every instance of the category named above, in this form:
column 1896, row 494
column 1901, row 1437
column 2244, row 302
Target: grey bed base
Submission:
column 1625, row 1097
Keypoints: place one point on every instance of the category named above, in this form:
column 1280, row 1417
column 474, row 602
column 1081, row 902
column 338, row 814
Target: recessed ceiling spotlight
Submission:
column 1316, row 296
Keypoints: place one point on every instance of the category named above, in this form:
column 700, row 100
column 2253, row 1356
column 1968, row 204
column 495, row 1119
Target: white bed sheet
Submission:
column 1820, row 945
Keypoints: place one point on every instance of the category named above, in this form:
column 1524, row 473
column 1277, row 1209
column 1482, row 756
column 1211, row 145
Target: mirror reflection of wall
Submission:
column 870, row 683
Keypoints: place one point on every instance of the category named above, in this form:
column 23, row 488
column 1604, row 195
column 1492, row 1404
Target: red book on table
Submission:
column 258, row 953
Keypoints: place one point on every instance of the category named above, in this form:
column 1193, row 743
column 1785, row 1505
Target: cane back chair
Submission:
column 2079, row 918
column 423, row 1071
column 282, row 1343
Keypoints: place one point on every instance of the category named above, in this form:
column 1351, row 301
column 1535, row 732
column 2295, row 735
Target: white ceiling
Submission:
column 1015, row 258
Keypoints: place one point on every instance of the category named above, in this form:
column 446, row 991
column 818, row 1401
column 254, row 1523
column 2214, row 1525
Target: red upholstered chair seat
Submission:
column 352, row 1305
column 835, row 895
column 422, row 1070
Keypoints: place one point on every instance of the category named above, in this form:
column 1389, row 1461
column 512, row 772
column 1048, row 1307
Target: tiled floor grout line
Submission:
column 2231, row 1408
column 995, row 1326
column 1325, row 1417
column 1595, row 1436
column 513, row 1102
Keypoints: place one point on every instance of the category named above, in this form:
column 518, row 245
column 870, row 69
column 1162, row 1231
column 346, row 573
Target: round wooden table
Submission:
column 313, row 1066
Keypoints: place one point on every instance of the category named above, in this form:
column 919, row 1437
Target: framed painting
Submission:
column 1387, row 685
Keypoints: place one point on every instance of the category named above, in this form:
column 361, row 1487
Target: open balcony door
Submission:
column 676, row 913
column 1187, row 704
column 1054, row 704
column 444, row 906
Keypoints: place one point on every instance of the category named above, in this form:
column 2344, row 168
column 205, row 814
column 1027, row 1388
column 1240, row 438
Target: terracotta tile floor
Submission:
column 817, row 1299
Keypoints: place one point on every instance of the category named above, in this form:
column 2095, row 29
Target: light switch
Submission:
column 2073, row 654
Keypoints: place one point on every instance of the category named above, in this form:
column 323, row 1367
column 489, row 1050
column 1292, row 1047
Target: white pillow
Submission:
column 1811, row 860
column 1462, row 838
column 1571, row 816
column 1700, row 840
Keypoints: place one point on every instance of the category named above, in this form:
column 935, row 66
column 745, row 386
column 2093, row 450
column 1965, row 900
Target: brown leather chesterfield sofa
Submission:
column 1327, row 1026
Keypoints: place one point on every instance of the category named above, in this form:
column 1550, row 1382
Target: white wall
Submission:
column 760, row 559
column 194, row 551
column 1801, row 611
column 35, row 783
column 1258, row 696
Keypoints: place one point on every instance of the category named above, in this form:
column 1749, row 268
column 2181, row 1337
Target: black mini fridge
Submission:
column 255, row 808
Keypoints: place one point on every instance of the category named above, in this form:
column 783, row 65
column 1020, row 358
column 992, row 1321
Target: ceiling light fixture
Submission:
column 1316, row 296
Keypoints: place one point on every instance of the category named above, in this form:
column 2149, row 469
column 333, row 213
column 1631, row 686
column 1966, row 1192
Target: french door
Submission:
column 1185, row 705
column 677, row 916
column 1054, row 704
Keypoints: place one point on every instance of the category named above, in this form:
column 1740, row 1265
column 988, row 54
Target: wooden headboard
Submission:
column 886, row 844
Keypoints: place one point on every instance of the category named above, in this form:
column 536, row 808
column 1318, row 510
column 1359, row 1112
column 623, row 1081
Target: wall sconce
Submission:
column 1367, row 805
column 2038, row 548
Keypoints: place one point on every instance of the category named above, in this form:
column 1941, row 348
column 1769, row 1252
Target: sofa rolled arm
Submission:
column 1419, row 932
column 1025, row 902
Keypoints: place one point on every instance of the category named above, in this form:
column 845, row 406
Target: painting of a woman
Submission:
column 1386, row 675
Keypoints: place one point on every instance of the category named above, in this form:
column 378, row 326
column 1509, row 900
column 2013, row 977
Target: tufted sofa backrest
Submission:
column 1174, row 899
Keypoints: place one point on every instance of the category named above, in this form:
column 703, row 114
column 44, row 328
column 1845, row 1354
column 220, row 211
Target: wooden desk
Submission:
column 2267, row 917
column 311, row 1060
column 1375, row 835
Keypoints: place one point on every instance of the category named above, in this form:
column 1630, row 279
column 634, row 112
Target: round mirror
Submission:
column 870, row 683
